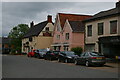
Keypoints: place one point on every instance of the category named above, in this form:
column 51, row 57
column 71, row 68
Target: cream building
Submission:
column 39, row 36
column 103, row 32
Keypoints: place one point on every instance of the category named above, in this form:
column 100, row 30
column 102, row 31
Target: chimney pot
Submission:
column 49, row 18
column 31, row 24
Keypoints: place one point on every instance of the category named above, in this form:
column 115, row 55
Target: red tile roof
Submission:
column 71, row 17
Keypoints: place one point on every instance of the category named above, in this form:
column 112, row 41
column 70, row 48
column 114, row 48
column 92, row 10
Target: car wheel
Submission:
column 38, row 56
column 101, row 65
column 76, row 62
column 87, row 64
column 45, row 58
column 50, row 59
column 66, row 60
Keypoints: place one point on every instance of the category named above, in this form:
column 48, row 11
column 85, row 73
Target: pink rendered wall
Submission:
column 67, row 29
column 78, row 40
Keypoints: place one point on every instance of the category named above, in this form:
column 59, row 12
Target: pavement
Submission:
column 20, row 66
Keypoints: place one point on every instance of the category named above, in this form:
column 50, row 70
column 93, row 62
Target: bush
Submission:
column 77, row 50
column 16, row 51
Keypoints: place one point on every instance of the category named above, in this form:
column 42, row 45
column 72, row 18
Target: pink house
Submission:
column 68, row 31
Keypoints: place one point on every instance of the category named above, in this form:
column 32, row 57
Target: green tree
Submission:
column 16, row 34
column 77, row 50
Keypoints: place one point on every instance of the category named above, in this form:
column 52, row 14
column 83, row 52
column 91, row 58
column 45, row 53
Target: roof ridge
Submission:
column 75, row 14
column 40, row 23
column 105, row 11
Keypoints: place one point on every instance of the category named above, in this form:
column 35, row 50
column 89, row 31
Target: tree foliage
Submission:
column 16, row 34
column 77, row 50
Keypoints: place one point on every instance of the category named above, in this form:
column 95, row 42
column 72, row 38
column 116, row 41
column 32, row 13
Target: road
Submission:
column 23, row 67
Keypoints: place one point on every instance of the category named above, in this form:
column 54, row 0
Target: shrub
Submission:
column 77, row 50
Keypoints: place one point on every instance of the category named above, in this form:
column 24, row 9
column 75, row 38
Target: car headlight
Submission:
column 69, row 57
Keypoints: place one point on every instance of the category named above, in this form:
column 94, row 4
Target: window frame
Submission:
column 47, row 29
column 89, row 34
column 111, row 29
column 99, row 28
column 67, row 36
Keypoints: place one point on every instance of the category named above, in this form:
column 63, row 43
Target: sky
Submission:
column 17, row 12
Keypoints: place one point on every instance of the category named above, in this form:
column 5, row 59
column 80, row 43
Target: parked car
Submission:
column 91, row 58
column 40, row 53
column 67, row 56
column 51, row 55
column 31, row 54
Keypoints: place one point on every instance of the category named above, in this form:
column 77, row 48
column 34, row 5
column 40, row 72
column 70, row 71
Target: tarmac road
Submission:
column 23, row 67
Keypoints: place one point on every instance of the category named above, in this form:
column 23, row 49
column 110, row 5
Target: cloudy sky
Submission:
column 14, row 13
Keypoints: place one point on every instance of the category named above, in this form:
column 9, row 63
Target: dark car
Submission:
column 66, row 56
column 90, row 58
column 50, row 55
column 39, row 53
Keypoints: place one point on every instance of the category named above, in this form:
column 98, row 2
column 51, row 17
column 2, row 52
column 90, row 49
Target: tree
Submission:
column 16, row 34
column 77, row 50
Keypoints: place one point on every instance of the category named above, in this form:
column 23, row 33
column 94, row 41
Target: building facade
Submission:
column 5, row 45
column 68, row 31
column 103, row 32
column 39, row 36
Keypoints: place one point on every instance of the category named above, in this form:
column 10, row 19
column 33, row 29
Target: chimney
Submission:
column 118, row 5
column 31, row 24
column 49, row 18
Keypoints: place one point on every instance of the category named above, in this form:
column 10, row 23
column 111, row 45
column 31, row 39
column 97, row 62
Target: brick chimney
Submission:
column 31, row 24
column 49, row 18
column 118, row 5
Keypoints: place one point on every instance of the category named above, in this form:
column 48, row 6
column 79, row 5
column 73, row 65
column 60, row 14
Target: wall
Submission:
column 43, row 42
column 78, row 40
column 51, row 27
column 95, row 36
column 55, row 33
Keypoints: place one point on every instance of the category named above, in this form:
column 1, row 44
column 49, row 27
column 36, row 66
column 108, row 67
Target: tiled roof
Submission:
column 104, row 14
column 36, row 29
column 71, row 17
column 77, row 26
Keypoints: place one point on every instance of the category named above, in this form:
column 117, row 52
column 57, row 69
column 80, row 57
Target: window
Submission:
column 58, row 27
column 67, row 36
column 66, row 48
column 89, row 30
column 86, row 54
column 47, row 29
column 30, row 39
column 113, row 27
column 58, row 36
column 100, row 28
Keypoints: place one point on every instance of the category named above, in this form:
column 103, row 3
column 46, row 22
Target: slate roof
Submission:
column 104, row 14
column 71, row 17
column 77, row 26
column 36, row 29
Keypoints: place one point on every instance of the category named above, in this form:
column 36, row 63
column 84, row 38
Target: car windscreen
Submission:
column 95, row 54
column 56, row 52
column 69, row 53
column 43, row 50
